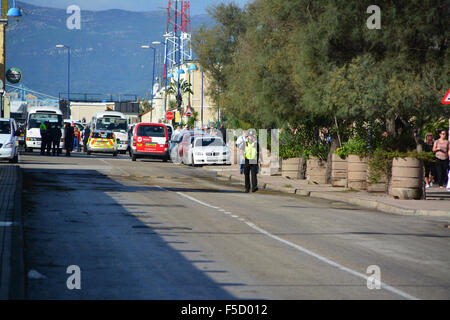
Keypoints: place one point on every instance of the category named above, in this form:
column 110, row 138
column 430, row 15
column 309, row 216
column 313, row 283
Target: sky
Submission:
column 197, row 6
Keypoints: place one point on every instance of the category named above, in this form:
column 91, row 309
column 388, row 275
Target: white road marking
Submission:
column 306, row 251
column 6, row 224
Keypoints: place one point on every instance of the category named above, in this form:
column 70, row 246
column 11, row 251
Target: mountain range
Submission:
column 106, row 55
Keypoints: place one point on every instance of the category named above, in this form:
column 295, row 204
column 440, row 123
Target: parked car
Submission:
column 9, row 149
column 206, row 150
column 150, row 140
column 102, row 141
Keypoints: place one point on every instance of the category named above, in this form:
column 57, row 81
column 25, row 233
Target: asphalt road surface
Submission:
column 154, row 230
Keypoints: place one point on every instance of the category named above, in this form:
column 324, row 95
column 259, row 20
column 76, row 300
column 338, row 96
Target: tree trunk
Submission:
column 333, row 147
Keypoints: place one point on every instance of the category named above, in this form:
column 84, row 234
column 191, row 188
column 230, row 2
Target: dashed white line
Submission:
column 304, row 250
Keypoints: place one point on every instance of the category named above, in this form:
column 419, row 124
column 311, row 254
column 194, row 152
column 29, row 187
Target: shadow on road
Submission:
column 71, row 218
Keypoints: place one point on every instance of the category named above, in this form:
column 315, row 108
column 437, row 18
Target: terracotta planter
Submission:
column 407, row 178
column 338, row 171
column 316, row 171
column 293, row 168
column 356, row 172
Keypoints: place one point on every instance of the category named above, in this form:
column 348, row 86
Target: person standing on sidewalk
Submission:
column 252, row 160
column 430, row 169
column 441, row 148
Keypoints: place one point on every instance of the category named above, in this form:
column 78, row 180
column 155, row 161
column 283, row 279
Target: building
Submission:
column 199, row 101
column 86, row 110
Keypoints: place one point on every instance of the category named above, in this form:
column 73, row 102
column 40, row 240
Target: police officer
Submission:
column 87, row 133
column 43, row 131
column 49, row 137
column 252, row 160
column 68, row 138
column 56, row 138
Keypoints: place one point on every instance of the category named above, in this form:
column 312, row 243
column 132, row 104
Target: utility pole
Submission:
column 3, row 24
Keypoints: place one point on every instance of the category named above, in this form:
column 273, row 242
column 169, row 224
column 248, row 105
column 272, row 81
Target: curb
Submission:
column 17, row 280
column 369, row 204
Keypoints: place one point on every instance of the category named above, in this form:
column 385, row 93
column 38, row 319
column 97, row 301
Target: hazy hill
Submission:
column 106, row 53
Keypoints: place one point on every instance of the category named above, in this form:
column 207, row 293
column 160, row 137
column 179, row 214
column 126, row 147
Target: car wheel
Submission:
column 133, row 157
column 114, row 154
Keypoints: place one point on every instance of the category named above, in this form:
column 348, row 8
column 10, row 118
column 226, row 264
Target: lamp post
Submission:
column 6, row 13
column 68, row 77
column 153, row 74
column 179, row 71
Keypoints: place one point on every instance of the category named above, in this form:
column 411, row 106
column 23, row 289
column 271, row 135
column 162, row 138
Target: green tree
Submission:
column 184, row 87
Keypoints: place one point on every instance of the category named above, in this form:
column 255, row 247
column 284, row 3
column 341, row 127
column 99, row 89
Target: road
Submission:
column 154, row 230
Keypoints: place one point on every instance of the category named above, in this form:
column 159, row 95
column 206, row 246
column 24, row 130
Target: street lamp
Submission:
column 192, row 67
column 13, row 12
column 153, row 72
column 68, row 76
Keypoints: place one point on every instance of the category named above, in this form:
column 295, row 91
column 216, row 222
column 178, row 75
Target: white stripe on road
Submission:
column 304, row 250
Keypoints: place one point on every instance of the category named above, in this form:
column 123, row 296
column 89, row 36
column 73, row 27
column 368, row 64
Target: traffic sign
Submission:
column 189, row 112
column 446, row 99
column 169, row 115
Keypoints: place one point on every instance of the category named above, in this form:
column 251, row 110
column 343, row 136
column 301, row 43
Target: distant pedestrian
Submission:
column 86, row 134
column 252, row 161
column 56, row 139
column 240, row 144
column 430, row 168
column 76, row 139
column 48, row 137
column 43, row 131
column 68, row 138
column 223, row 133
column 441, row 148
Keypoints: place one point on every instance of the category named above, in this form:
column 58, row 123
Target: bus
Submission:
column 116, row 122
column 36, row 116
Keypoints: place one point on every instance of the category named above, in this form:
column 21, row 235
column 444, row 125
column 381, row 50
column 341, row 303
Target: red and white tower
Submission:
column 178, row 35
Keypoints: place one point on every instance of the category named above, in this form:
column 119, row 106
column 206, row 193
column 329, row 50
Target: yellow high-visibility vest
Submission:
column 250, row 151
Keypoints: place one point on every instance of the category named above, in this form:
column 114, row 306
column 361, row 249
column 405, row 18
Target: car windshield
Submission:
column 112, row 123
column 102, row 135
column 36, row 119
column 209, row 142
column 151, row 131
column 5, row 127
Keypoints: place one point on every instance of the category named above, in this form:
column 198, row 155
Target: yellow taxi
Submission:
column 103, row 141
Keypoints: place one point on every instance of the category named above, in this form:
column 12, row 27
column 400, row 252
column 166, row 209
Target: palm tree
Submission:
column 185, row 87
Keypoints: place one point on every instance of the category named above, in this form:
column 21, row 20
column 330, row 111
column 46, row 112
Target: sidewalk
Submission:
column 376, row 201
column 12, row 272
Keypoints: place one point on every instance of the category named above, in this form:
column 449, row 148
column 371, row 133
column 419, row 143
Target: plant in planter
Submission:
column 316, row 165
column 292, row 164
column 402, row 170
column 355, row 149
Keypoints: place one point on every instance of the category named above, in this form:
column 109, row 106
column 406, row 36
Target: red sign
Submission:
column 189, row 112
column 169, row 115
column 446, row 99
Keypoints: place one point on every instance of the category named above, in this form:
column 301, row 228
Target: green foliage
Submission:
column 355, row 145
column 319, row 151
column 313, row 64
column 380, row 161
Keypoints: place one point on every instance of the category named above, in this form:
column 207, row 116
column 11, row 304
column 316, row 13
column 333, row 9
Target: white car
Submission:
column 9, row 148
column 206, row 150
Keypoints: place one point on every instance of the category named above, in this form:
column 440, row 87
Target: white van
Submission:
column 9, row 148
column 36, row 116
column 116, row 122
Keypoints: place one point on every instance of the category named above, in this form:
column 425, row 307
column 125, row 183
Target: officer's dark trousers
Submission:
column 43, row 145
column 250, row 169
column 55, row 147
